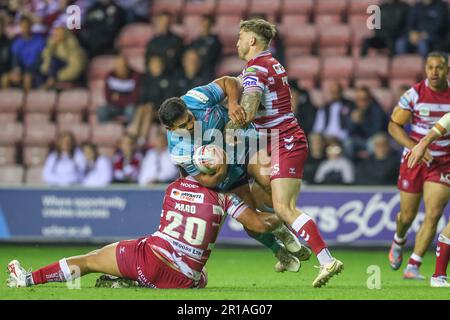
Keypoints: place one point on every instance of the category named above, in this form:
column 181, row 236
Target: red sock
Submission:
column 442, row 256
column 414, row 261
column 51, row 273
column 306, row 228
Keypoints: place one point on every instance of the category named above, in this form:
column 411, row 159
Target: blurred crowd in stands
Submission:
column 91, row 95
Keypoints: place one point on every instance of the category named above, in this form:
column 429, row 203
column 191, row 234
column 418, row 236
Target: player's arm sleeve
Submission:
column 234, row 206
column 204, row 96
column 408, row 100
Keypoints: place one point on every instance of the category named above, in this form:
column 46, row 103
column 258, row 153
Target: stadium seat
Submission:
column 367, row 82
column 230, row 66
column 39, row 134
column 228, row 33
column 34, row 155
column 327, row 19
column 11, row 175
column 396, row 85
column 136, row 58
column 385, row 98
column 270, row 8
column 303, row 37
column 331, row 6
column 135, row 35
column 8, row 117
column 290, row 20
column 358, row 20
column 172, row 6
column 372, row 68
column 304, row 7
column 334, row 39
column 304, row 68
column 11, row 100
column 359, row 33
column 33, row 175
column 100, row 66
column 408, row 66
column 7, row 155
column 337, row 68
column 360, row 6
column 36, row 118
column 81, row 131
column 232, row 7
column 11, row 133
column 199, row 7
column 179, row 30
column 68, row 118
column 73, row 100
column 350, row 93
column 107, row 134
column 40, row 101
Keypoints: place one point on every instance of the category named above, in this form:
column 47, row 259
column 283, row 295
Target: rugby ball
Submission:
column 207, row 156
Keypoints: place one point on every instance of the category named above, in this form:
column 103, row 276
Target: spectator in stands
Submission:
column 303, row 108
column 66, row 165
column 365, row 120
column 121, row 93
column 330, row 119
column 276, row 46
column 98, row 171
column 190, row 76
column 156, row 86
column 102, row 23
column 26, row 51
column 208, row 46
column 157, row 166
column 165, row 43
column 382, row 166
column 63, row 60
column 427, row 26
column 336, row 169
column 135, row 10
column 5, row 54
column 394, row 15
column 316, row 155
column 126, row 161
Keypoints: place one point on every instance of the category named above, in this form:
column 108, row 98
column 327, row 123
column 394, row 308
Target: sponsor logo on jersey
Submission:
column 249, row 82
column 187, row 196
column 278, row 68
column 275, row 170
column 188, row 185
column 445, row 178
column 197, row 95
column 185, row 208
column 250, row 70
column 424, row 111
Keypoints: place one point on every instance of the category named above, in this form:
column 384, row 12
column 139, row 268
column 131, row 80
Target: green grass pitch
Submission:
column 235, row 274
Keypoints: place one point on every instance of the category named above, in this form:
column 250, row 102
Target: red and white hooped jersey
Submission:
column 190, row 223
column 427, row 107
column 265, row 74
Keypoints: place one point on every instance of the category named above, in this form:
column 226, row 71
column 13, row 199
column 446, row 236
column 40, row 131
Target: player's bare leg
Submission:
column 409, row 206
column 284, row 194
column 286, row 260
column 102, row 260
column 439, row 278
column 436, row 197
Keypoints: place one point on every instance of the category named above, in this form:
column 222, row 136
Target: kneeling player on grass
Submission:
column 172, row 257
column 441, row 128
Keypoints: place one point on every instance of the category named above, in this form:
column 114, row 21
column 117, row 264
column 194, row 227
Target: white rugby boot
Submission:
column 17, row 275
column 327, row 271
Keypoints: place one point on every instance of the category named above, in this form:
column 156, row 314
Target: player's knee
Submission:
column 283, row 210
column 407, row 216
column 432, row 216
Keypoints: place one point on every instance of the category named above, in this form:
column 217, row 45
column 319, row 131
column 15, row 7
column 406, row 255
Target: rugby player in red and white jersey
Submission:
column 266, row 101
column 441, row 128
column 172, row 257
column 422, row 106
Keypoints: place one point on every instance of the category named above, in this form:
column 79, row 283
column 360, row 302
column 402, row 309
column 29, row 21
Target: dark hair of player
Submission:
column 262, row 28
column 437, row 54
column 171, row 110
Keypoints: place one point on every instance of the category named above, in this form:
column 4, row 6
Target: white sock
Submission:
column 65, row 269
column 324, row 256
column 398, row 239
column 416, row 257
